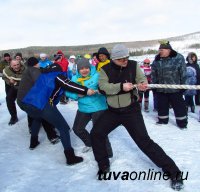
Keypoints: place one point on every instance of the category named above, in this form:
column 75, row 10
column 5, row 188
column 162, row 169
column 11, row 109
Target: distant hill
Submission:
column 188, row 41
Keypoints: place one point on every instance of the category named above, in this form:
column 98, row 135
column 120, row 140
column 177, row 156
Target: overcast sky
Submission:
column 78, row 22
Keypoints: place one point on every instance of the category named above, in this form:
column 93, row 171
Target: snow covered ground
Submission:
column 44, row 168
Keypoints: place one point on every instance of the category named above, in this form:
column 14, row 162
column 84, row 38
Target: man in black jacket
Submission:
column 116, row 82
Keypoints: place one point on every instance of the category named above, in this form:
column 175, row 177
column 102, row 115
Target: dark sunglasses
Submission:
column 147, row 63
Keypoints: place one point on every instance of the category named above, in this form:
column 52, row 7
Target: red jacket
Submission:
column 63, row 62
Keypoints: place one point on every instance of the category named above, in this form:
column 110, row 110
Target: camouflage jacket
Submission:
column 3, row 64
column 170, row 70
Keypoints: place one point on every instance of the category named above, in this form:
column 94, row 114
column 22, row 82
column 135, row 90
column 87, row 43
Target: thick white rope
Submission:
column 168, row 86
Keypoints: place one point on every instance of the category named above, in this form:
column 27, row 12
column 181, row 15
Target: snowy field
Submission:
column 44, row 169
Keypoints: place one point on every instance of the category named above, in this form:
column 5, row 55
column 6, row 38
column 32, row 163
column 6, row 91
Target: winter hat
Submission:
column 119, row 51
column 103, row 51
column 18, row 54
column 60, row 53
column 83, row 62
column 6, row 55
column 72, row 57
column 32, row 61
column 87, row 56
column 164, row 44
column 43, row 55
column 146, row 61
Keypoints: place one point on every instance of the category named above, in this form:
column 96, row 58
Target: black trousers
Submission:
column 80, row 123
column 49, row 128
column 134, row 124
column 178, row 104
column 79, row 127
column 11, row 96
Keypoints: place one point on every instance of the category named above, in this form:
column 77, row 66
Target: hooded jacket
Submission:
column 63, row 63
column 169, row 70
column 93, row 103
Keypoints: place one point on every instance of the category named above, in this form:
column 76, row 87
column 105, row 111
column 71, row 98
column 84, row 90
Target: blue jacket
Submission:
column 191, row 80
column 45, row 63
column 89, row 104
column 42, row 90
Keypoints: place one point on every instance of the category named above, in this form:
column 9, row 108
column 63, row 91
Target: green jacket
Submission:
column 111, row 82
column 8, row 74
column 3, row 64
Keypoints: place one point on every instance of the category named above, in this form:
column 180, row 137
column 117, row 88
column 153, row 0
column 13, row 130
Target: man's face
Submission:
column 18, row 58
column 164, row 52
column 122, row 62
column 7, row 58
column 15, row 65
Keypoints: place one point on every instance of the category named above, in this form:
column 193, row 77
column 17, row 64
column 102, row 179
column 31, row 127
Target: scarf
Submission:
column 101, row 64
column 82, row 79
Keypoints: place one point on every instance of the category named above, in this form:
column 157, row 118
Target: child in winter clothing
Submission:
column 104, row 58
column 191, row 80
column 89, row 107
column 72, row 67
column 147, row 72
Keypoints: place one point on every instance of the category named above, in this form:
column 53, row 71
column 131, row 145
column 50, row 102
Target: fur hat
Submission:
column 164, row 44
column 83, row 63
column 119, row 51
column 32, row 61
column 43, row 55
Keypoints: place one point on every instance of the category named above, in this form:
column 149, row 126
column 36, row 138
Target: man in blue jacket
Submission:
column 38, row 95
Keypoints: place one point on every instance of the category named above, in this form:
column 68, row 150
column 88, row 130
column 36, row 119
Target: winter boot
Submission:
column 103, row 170
column 193, row 109
column 177, row 183
column 13, row 120
column 72, row 159
column 34, row 142
column 146, row 106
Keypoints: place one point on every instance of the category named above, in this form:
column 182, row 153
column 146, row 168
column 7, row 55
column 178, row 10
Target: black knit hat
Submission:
column 32, row 61
column 18, row 54
column 103, row 51
column 164, row 44
column 6, row 55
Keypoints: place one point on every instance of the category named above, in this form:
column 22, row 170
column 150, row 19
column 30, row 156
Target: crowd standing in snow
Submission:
column 103, row 87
